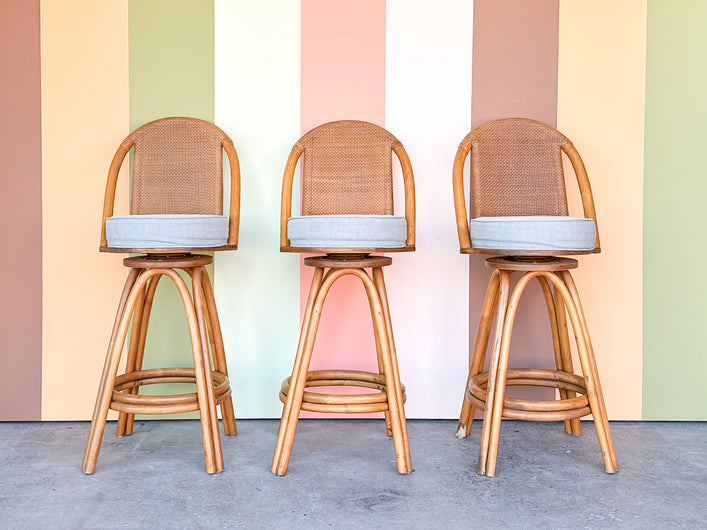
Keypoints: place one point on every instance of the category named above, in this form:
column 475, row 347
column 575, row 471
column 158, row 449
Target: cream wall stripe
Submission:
column 428, row 107
column 84, row 47
column 601, row 109
column 257, row 71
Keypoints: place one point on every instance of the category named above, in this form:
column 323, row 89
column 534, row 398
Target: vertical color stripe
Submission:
column 515, row 75
column 343, row 77
column 257, row 70
column 84, row 117
column 601, row 108
column 675, row 384
column 171, row 74
column 20, row 212
column 428, row 104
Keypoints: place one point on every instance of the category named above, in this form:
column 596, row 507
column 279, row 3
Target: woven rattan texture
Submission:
column 177, row 168
column 347, row 169
column 516, row 169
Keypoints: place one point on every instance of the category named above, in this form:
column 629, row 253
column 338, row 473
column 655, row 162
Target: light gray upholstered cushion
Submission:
column 541, row 232
column 347, row 231
column 166, row 231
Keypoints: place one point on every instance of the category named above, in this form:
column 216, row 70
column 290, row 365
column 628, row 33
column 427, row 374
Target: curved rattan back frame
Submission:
column 347, row 169
column 516, row 169
column 177, row 169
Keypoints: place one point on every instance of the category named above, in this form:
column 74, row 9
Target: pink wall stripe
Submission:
column 515, row 74
column 343, row 77
column 20, row 212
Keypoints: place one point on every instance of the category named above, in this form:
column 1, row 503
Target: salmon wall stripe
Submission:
column 515, row 74
column 84, row 69
column 343, row 77
column 674, row 234
column 601, row 108
column 257, row 78
column 428, row 107
column 20, row 212
column 171, row 74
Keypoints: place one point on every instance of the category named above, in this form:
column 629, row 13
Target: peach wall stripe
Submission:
column 343, row 77
column 601, row 108
column 428, row 107
column 84, row 116
column 515, row 75
column 20, row 212
column 257, row 82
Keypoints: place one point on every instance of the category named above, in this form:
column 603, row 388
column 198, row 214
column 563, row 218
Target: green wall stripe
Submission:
column 675, row 217
column 171, row 47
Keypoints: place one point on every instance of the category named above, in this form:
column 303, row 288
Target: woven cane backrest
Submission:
column 177, row 167
column 347, row 169
column 516, row 169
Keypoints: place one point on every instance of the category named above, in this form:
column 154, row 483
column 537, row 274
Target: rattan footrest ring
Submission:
column 343, row 403
column 124, row 401
column 535, row 410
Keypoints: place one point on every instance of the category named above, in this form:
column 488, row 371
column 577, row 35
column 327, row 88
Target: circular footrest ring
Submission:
column 124, row 401
column 535, row 410
column 346, row 403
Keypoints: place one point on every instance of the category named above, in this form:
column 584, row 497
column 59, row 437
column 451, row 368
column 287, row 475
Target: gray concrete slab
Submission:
column 342, row 474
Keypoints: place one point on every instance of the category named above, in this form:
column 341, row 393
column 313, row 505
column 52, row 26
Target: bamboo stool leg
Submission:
column 502, row 366
column 202, row 371
column 289, row 402
column 393, row 385
column 133, row 342
column 478, row 356
column 556, row 343
column 214, row 329
column 140, row 352
column 381, row 370
column 566, row 352
column 133, row 284
column 298, row 380
column 591, row 374
column 502, row 304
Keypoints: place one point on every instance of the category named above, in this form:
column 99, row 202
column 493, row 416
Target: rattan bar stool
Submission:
column 520, row 214
column 347, row 215
column 176, row 209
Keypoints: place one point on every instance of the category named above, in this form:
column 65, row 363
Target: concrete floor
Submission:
column 342, row 474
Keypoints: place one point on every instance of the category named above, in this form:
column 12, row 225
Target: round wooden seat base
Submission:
column 532, row 263
column 535, row 410
column 125, row 401
column 343, row 403
column 167, row 261
column 342, row 261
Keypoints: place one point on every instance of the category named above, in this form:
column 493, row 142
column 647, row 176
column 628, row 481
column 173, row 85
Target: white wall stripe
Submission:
column 257, row 69
column 428, row 107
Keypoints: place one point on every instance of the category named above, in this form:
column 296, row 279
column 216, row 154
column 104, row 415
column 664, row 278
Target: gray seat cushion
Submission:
column 542, row 232
column 166, row 231
column 347, row 231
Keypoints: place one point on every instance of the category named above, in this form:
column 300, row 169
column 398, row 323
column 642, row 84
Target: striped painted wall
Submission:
column 79, row 75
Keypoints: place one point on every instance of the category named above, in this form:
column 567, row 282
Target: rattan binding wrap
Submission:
column 177, row 167
column 347, row 169
column 516, row 169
